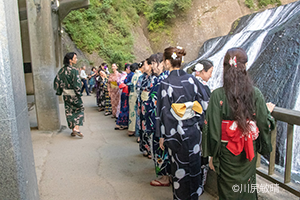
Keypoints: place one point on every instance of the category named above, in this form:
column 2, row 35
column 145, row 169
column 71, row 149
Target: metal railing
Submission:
column 291, row 117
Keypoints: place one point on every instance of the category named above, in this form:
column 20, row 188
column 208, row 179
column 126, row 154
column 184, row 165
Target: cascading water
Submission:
column 272, row 43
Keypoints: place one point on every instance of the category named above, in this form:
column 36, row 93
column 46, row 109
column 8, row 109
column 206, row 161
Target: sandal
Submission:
column 130, row 135
column 73, row 134
column 78, row 133
column 108, row 113
column 158, row 183
column 123, row 127
column 101, row 109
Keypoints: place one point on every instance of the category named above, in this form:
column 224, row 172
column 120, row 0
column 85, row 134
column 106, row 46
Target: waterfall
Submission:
column 249, row 37
column 272, row 45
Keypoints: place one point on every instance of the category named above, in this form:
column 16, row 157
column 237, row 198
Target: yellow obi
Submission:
column 183, row 111
column 114, row 84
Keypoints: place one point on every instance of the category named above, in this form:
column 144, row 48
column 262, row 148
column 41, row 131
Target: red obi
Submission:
column 237, row 141
column 124, row 88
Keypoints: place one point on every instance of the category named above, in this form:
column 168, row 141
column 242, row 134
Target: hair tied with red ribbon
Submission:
column 232, row 62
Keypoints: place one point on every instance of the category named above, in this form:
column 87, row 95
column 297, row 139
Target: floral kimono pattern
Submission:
column 159, row 156
column 133, row 102
column 204, row 160
column 113, row 89
column 143, row 92
column 67, row 83
column 100, row 95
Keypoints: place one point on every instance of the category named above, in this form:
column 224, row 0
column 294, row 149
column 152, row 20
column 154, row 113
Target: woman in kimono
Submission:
column 203, row 72
column 179, row 118
column 100, row 93
column 103, row 84
column 143, row 88
column 132, row 100
column 68, row 84
column 92, row 79
column 113, row 89
column 160, row 157
column 238, row 125
column 122, row 121
column 121, row 80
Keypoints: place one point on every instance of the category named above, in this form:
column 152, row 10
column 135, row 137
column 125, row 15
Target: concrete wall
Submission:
column 17, row 169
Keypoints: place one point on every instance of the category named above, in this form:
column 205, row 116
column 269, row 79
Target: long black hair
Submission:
column 238, row 87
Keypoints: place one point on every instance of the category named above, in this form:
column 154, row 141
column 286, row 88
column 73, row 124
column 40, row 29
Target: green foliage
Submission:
column 236, row 23
column 261, row 3
column 160, row 12
column 105, row 28
column 249, row 4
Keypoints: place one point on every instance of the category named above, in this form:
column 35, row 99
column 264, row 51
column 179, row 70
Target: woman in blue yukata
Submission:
column 179, row 118
column 123, row 117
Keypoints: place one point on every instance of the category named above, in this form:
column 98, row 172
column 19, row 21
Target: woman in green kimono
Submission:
column 237, row 126
column 68, row 83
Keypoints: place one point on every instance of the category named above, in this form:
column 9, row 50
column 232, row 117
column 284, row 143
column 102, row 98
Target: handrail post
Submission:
column 273, row 153
column 289, row 153
column 258, row 160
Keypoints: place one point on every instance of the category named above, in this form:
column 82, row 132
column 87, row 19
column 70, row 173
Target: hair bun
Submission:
column 181, row 51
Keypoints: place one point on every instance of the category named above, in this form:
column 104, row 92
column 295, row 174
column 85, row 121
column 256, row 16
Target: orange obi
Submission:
column 237, row 140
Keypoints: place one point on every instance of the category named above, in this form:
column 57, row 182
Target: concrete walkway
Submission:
column 105, row 164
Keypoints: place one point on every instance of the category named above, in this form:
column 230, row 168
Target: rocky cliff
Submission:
column 204, row 20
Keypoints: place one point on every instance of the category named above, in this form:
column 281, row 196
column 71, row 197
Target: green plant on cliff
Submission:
column 249, row 4
column 105, row 28
column 261, row 3
column 160, row 12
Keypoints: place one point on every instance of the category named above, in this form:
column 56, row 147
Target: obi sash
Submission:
column 237, row 141
column 145, row 95
column 184, row 111
column 124, row 88
column 69, row 92
column 113, row 84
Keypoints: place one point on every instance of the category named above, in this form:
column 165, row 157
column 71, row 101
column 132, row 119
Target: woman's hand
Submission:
column 161, row 143
column 270, row 106
column 211, row 165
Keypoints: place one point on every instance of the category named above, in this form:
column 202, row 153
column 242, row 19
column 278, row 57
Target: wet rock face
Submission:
column 276, row 71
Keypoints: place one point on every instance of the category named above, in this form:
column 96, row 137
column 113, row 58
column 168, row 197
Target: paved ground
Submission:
column 105, row 164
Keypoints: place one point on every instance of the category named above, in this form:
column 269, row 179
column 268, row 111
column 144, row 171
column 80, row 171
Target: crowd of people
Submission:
column 178, row 122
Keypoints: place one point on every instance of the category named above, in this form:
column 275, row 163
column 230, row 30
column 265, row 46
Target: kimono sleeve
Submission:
column 76, row 82
column 265, row 122
column 159, row 115
column 138, row 87
column 211, row 138
column 108, row 83
column 202, row 97
column 57, row 85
